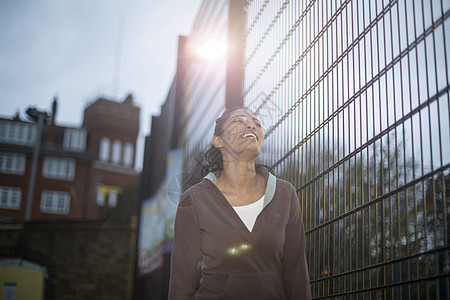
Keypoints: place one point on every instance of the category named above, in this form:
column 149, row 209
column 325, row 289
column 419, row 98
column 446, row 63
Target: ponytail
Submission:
column 213, row 161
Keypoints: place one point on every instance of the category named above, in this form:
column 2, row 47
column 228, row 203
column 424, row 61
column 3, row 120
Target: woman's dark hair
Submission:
column 213, row 161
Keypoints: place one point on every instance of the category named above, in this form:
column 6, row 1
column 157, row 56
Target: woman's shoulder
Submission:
column 286, row 191
column 194, row 193
column 285, row 185
column 274, row 183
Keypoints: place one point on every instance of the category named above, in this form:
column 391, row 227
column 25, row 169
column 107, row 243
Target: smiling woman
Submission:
column 241, row 226
column 226, row 133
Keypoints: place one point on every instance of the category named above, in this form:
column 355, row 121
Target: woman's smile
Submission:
column 250, row 135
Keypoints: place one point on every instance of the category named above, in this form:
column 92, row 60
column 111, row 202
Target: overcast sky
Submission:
column 68, row 48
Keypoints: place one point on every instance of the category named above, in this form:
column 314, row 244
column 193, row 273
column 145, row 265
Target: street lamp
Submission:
column 39, row 117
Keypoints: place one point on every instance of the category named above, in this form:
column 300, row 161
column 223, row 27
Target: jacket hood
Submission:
column 271, row 183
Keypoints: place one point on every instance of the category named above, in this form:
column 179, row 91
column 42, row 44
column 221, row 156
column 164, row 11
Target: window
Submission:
column 112, row 200
column 116, row 151
column 101, row 191
column 55, row 202
column 128, row 154
column 10, row 197
column 75, row 139
column 58, row 168
column 17, row 132
column 104, row 149
column 9, row 291
column 100, row 198
column 12, row 163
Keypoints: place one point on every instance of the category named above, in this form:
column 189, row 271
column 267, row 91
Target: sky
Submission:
column 78, row 50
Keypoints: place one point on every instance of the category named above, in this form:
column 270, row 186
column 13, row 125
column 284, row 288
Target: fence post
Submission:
column 235, row 56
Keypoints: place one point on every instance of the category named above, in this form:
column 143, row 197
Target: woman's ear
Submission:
column 217, row 142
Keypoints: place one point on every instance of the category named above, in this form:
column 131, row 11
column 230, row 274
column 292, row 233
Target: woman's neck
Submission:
column 238, row 176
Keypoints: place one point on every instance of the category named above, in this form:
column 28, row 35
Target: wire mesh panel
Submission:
column 354, row 97
column 205, row 96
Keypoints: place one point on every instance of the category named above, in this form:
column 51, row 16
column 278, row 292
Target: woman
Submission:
column 241, row 226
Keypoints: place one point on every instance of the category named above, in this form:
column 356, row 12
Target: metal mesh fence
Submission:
column 354, row 96
column 205, row 99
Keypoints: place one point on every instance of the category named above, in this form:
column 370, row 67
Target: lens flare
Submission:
column 212, row 49
column 239, row 250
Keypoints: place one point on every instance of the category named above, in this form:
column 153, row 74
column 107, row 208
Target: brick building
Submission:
column 79, row 241
column 113, row 130
column 80, row 170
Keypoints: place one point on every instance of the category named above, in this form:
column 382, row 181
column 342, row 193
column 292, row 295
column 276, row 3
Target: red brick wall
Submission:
column 79, row 189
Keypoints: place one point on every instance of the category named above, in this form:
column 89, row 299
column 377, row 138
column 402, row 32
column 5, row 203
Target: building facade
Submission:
column 80, row 171
column 113, row 130
column 159, row 164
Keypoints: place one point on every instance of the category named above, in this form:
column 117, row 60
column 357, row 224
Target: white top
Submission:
column 248, row 213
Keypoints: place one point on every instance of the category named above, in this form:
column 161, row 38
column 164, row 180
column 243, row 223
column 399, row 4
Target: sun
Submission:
column 212, row 49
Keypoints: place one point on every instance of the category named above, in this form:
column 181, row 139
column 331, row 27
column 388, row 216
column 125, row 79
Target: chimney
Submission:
column 17, row 116
column 129, row 99
column 51, row 128
column 54, row 106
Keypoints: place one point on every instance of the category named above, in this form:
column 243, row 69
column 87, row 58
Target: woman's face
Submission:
column 242, row 136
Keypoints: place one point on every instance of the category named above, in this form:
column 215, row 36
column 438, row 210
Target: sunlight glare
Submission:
column 212, row 49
